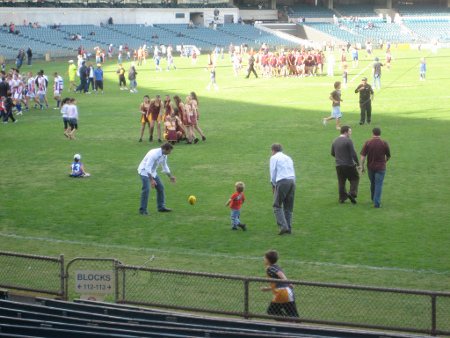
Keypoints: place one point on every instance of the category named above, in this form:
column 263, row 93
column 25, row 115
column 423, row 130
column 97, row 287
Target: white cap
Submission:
column 77, row 157
column 70, row 61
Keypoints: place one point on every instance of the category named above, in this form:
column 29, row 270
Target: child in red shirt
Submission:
column 235, row 202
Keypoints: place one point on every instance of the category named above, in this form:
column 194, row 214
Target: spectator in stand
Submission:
column 102, row 24
column 29, row 55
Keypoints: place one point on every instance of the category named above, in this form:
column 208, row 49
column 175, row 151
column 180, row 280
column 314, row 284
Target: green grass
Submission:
column 404, row 244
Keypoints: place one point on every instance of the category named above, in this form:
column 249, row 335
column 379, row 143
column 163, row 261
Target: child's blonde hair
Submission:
column 240, row 186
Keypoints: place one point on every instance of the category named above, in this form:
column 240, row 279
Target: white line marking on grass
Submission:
column 370, row 64
column 53, row 240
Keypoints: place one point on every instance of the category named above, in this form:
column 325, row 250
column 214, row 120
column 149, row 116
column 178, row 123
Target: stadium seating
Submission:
column 422, row 10
column 356, row 10
column 53, row 318
column 308, row 11
column 432, row 29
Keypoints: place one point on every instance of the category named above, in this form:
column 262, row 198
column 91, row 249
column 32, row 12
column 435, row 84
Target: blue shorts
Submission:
column 336, row 113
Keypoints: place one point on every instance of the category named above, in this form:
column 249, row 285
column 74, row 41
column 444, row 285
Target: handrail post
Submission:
column 116, row 268
column 246, row 298
column 433, row 315
column 63, row 293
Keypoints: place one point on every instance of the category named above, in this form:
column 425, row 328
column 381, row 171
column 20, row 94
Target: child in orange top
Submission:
column 235, row 202
column 283, row 301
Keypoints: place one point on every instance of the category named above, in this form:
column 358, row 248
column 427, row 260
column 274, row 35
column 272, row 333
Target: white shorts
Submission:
column 56, row 93
column 17, row 96
column 31, row 94
column 110, row 55
column 42, row 92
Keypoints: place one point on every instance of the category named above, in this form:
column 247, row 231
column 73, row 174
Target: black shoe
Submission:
column 204, row 138
column 351, row 198
column 196, row 140
column 150, row 139
column 368, row 122
column 377, row 206
column 145, row 213
column 188, row 142
column 159, row 140
column 165, row 210
column 242, row 226
column 283, row 232
column 233, row 228
column 140, row 140
column 361, row 123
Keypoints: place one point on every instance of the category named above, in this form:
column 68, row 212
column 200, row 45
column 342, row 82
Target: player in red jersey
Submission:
column 319, row 62
column 343, row 59
column 282, row 63
column 389, row 57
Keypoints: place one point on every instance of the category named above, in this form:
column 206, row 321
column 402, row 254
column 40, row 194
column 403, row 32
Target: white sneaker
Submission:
column 125, row 88
column 16, row 121
column 56, row 108
column 208, row 88
column 103, row 92
column 325, row 121
column 122, row 88
column 87, row 92
column 131, row 91
column 135, row 90
column 19, row 113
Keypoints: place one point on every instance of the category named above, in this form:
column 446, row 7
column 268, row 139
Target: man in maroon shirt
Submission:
column 378, row 153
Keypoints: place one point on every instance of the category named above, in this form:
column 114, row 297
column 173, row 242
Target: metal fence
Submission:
column 412, row 311
column 321, row 303
column 32, row 273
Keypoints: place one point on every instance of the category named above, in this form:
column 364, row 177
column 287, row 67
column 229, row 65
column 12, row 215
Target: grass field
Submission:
column 404, row 244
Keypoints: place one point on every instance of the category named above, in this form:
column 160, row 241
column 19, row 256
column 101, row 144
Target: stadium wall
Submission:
column 93, row 16
column 304, row 32
column 261, row 15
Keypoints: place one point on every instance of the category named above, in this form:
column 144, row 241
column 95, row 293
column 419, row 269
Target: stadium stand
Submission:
column 54, row 318
column 307, row 11
column 336, row 32
column 422, row 10
column 361, row 11
column 430, row 28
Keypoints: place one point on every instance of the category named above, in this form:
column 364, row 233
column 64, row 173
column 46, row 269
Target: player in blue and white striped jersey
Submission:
column 58, row 88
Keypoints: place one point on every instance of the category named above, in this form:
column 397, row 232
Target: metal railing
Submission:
column 32, row 273
column 414, row 311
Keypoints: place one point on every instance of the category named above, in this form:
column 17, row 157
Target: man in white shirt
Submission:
column 147, row 171
column 282, row 177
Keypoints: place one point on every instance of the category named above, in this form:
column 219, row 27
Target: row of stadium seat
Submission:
column 58, row 42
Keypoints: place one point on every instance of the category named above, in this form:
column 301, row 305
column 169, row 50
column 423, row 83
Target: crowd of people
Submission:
column 178, row 119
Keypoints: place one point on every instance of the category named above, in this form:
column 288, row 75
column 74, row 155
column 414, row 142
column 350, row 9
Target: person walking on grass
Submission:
column 282, row 178
column 283, row 301
column 72, row 114
column 72, row 72
column 149, row 177
column 346, row 161
column 132, row 77
column 335, row 96
column 377, row 153
column 98, row 78
column 235, row 202
column 376, row 73
column 213, row 79
column 365, row 101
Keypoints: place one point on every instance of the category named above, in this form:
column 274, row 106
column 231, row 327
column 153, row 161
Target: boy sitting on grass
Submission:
column 77, row 168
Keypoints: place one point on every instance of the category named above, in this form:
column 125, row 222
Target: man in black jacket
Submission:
column 84, row 76
column 29, row 55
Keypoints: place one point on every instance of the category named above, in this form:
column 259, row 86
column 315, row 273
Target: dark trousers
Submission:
column 91, row 81
column 283, row 309
column 345, row 173
column 83, row 85
column 251, row 69
column 366, row 107
column 98, row 84
column 8, row 115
